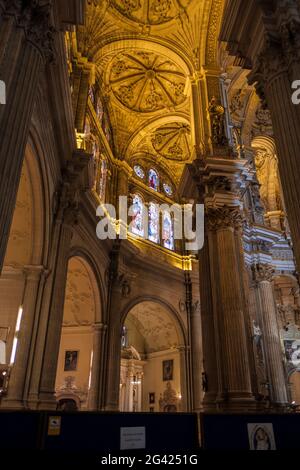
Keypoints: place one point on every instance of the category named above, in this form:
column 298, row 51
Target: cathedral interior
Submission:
column 168, row 103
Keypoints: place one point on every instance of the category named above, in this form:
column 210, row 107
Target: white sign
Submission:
column 2, row 92
column 261, row 436
column 133, row 438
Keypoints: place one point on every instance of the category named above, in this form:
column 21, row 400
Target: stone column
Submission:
column 196, row 350
column 139, row 389
column 183, row 378
column 95, row 388
column 15, row 396
column 56, row 311
column 274, row 71
column 48, row 331
column 262, row 275
column 25, row 44
column 230, row 310
column 130, row 388
column 118, row 291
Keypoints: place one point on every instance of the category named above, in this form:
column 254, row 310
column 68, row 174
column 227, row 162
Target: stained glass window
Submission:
column 103, row 178
column 153, row 180
column 92, row 94
column 153, row 234
column 99, row 110
column 167, row 231
column 139, row 171
column 167, row 189
column 138, row 215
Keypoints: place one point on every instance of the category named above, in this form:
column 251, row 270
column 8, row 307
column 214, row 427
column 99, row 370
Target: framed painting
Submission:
column 151, row 398
column 71, row 361
column 168, row 369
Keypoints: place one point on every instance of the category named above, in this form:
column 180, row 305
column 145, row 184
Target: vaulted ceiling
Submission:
column 146, row 52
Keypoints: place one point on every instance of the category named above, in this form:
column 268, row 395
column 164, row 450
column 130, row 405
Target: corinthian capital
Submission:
column 36, row 18
column 262, row 272
column 224, row 217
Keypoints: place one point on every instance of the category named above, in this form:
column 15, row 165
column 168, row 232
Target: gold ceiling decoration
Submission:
column 150, row 12
column 146, row 82
column 173, row 141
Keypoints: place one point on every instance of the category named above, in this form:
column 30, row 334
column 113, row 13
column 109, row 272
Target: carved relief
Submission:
column 173, row 141
column 79, row 308
column 224, row 217
column 146, row 82
column 155, row 325
column 150, row 12
column 262, row 272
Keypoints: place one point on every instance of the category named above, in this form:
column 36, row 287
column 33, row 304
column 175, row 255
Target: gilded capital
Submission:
column 262, row 272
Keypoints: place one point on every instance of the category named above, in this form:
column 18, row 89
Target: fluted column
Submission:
column 55, row 319
column 234, row 367
column 25, row 44
column 99, row 333
column 274, row 71
column 113, row 361
column 262, row 275
column 130, row 388
column 15, row 396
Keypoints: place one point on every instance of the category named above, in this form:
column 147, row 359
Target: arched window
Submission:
column 167, row 189
column 137, row 226
column 153, row 180
column 153, row 234
column 167, row 230
column 99, row 110
column 139, row 171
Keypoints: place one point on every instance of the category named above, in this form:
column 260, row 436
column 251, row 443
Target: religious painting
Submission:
column 292, row 351
column 167, row 232
column 168, row 367
column 261, row 436
column 137, row 226
column 153, row 234
column 152, row 398
column 71, row 361
column 153, row 180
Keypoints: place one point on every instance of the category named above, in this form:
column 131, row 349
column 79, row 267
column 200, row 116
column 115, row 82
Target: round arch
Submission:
column 27, row 244
column 153, row 357
column 169, row 308
column 96, row 279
